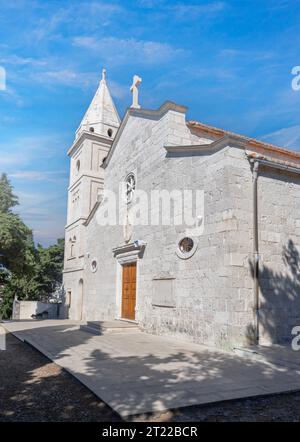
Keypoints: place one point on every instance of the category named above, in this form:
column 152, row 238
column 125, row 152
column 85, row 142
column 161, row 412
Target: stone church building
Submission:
column 230, row 279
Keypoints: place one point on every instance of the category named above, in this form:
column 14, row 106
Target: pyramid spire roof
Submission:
column 102, row 116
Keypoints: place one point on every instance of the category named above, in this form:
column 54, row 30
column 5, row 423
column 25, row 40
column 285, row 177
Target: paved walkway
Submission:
column 135, row 372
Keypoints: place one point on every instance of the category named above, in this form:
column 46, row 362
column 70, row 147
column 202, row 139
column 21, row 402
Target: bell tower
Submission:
column 93, row 140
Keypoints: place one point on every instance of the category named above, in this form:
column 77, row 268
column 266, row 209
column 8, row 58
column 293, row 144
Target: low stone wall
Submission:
column 25, row 309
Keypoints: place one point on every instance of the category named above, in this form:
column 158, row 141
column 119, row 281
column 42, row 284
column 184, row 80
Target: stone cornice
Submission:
column 248, row 142
column 93, row 177
column 129, row 252
column 76, row 221
column 240, row 142
column 79, row 269
column 198, row 149
column 92, row 213
column 90, row 136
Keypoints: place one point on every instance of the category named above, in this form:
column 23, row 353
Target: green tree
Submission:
column 25, row 271
column 49, row 267
column 24, row 287
column 16, row 244
column 7, row 199
column 38, row 283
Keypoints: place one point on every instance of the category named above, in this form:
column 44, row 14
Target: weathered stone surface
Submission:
column 213, row 290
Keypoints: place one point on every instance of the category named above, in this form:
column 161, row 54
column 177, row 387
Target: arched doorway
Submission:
column 80, row 300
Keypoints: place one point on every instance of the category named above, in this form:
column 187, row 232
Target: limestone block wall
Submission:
column 279, row 248
column 201, row 286
column 279, row 240
column 207, row 298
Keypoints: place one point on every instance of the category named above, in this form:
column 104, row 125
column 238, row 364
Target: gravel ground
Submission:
column 34, row 389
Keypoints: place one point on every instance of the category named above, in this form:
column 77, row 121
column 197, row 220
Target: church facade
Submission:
column 188, row 230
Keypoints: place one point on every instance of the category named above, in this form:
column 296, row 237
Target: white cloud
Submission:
column 118, row 90
column 17, row 60
column 35, row 175
column 124, row 51
column 188, row 12
column 78, row 79
column 286, row 137
column 67, row 77
column 45, row 216
column 183, row 10
column 83, row 15
column 247, row 54
column 24, row 150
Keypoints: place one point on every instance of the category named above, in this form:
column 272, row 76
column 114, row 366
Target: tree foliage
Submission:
column 16, row 244
column 7, row 198
column 38, row 283
column 49, row 266
column 26, row 271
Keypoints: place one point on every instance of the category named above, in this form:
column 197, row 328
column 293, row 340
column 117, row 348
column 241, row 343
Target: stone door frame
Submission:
column 127, row 254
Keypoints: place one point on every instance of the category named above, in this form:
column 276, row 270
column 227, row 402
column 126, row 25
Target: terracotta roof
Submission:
column 259, row 146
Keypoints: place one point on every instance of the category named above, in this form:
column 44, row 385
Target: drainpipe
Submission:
column 255, row 252
column 255, row 168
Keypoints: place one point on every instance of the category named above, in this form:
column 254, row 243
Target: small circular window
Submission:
column 94, row 265
column 109, row 132
column 186, row 245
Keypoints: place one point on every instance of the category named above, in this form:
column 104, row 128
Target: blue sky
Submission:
column 230, row 62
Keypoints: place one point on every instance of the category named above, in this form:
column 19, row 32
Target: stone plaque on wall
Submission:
column 163, row 292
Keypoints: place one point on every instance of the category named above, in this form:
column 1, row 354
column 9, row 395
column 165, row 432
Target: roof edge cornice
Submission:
column 88, row 135
column 239, row 141
column 251, row 142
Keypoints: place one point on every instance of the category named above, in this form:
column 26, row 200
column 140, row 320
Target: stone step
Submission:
column 101, row 327
column 245, row 352
column 274, row 355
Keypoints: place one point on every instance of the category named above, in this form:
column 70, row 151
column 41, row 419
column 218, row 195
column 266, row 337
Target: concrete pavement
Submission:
column 135, row 372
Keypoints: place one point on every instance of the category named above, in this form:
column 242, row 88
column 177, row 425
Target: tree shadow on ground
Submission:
column 137, row 372
column 279, row 309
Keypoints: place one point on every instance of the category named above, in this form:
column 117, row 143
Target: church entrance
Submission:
column 129, row 291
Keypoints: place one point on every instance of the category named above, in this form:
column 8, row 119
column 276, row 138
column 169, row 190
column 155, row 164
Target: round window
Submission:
column 109, row 132
column 186, row 245
column 94, row 265
column 130, row 187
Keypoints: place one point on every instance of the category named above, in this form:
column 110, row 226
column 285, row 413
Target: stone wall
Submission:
column 210, row 295
column 202, row 289
column 25, row 309
column 279, row 247
column 279, row 239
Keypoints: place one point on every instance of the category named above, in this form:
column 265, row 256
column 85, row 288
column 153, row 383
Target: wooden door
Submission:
column 129, row 291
